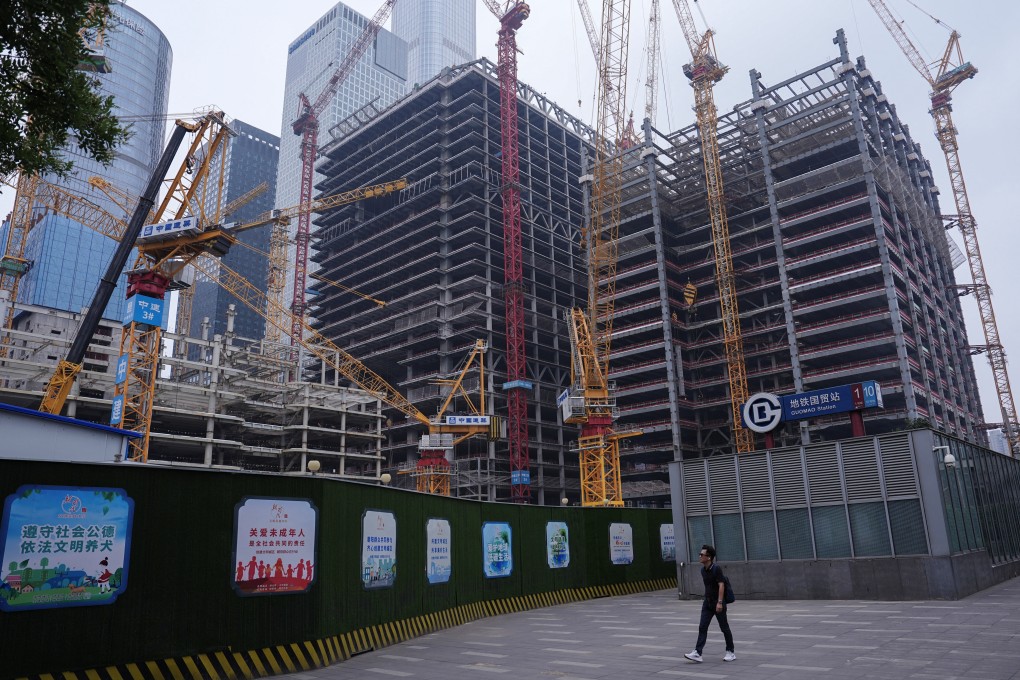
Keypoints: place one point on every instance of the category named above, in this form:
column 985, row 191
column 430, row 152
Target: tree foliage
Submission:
column 46, row 102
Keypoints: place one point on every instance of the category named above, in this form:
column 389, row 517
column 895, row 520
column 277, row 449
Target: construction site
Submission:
column 635, row 282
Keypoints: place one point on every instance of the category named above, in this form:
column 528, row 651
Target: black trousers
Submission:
column 707, row 612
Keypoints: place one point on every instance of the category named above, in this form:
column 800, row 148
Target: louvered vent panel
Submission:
column 722, row 476
column 788, row 477
column 860, row 469
column 754, row 481
column 823, row 474
column 695, row 490
column 898, row 466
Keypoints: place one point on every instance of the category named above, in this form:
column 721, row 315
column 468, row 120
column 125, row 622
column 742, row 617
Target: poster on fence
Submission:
column 438, row 561
column 64, row 547
column 497, row 544
column 667, row 543
column 621, row 543
column 557, row 545
column 378, row 549
column 274, row 546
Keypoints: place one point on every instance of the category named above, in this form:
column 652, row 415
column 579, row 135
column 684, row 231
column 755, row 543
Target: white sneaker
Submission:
column 730, row 656
column 694, row 656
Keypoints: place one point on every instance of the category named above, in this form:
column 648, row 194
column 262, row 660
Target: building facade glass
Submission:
column 68, row 258
column 377, row 80
column 439, row 33
column 252, row 157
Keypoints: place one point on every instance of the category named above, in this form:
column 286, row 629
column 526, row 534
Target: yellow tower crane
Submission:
column 704, row 72
column 590, row 402
column 160, row 262
column 943, row 77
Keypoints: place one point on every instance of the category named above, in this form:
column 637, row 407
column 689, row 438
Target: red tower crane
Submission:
column 307, row 127
column 511, row 15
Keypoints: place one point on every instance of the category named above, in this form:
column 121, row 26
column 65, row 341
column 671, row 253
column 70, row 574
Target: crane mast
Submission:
column 307, row 127
column 704, row 72
column 950, row 71
column 511, row 17
column 591, row 404
column 652, row 79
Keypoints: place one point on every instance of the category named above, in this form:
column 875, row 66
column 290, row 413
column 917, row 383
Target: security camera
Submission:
column 949, row 460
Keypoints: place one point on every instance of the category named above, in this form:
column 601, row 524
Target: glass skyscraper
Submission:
column 68, row 258
column 439, row 33
column 377, row 80
column 252, row 157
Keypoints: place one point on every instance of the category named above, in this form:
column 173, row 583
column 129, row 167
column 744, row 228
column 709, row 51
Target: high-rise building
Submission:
column 439, row 33
column 252, row 157
column 67, row 258
column 842, row 266
column 434, row 254
column 379, row 78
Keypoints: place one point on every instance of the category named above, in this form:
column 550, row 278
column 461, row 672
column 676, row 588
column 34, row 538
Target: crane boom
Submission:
column 704, row 71
column 60, row 383
column 317, row 344
column 950, row 71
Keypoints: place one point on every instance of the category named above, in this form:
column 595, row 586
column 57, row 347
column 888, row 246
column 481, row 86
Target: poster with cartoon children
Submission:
column 64, row 547
column 274, row 546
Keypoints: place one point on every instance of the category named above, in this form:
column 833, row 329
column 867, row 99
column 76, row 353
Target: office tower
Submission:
column 843, row 271
column 434, row 254
column 379, row 78
column 252, row 157
column 67, row 258
column 439, row 33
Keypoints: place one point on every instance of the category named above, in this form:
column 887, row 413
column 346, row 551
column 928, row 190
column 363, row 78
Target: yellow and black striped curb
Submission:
column 304, row 656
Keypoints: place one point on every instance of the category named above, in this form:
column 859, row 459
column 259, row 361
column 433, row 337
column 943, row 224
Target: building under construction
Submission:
column 843, row 270
column 435, row 255
column 844, row 273
column 222, row 401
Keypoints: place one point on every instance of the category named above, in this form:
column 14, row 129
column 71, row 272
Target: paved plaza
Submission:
column 645, row 636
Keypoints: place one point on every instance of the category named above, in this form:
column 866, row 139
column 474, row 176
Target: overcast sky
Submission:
column 233, row 53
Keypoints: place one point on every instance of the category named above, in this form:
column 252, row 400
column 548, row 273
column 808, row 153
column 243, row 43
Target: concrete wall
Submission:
column 894, row 578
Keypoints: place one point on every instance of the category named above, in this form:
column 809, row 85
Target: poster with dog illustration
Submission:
column 64, row 547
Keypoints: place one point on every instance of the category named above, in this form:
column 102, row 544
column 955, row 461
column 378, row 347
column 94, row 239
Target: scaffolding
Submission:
column 224, row 402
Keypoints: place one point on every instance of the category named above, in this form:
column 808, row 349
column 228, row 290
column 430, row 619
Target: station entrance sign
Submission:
column 764, row 411
column 832, row 400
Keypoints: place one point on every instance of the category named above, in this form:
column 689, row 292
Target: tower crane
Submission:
column 511, row 15
column 433, row 471
column 704, row 72
column 159, row 263
column 307, row 127
column 943, row 77
column 652, row 77
column 590, row 403
column 13, row 264
column 140, row 343
column 594, row 39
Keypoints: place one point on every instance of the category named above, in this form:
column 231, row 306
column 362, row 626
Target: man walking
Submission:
column 714, row 605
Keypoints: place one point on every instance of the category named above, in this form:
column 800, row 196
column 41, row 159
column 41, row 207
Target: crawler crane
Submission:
column 949, row 72
column 704, row 72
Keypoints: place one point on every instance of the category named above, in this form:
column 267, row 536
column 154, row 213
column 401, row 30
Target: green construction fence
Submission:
column 179, row 602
